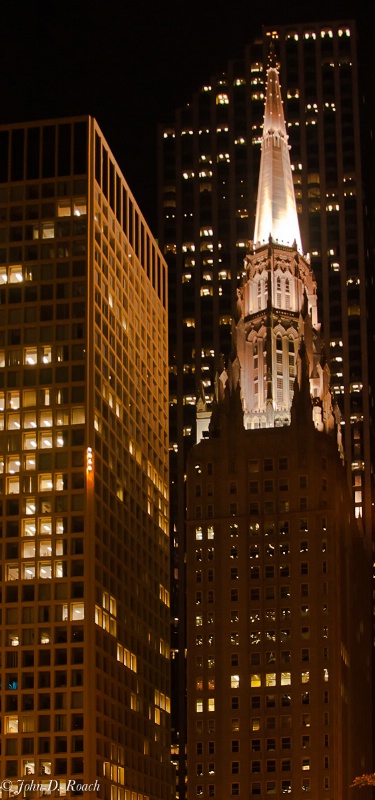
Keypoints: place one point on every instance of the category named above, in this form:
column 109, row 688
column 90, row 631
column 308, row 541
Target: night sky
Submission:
column 131, row 63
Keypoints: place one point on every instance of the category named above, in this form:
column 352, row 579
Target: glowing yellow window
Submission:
column 63, row 208
column 30, row 506
column 78, row 415
column 29, row 441
column 271, row 679
column 28, row 571
column 11, row 724
column 28, row 549
column 30, row 356
column 13, row 464
column 234, row 681
column 45, row 439
column 15, row 274
column 13, row 572
column 45, row 482
column 45, row 419
column 255, row 680
column 45, row 570
column 286, row 678
column 13, row 400
column 48, row 230
column 211, row 704
column 80, row 206
column 77, row 611
column 13, row 485
column 14, row 422
column 28, row 527
column 29, row 462
column 29, row 419
column 45, row 548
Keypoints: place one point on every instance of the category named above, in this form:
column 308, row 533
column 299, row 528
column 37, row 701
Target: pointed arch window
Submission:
column 278, row 291
column 287, row 293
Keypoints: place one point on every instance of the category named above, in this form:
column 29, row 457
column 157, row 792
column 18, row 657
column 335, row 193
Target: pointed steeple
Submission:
column 276, row 213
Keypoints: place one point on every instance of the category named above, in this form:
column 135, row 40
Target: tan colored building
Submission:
column 83, row 392
column 278, row 569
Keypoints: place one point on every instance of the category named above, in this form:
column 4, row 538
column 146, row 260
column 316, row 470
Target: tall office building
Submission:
column 278, row 571
column 84, row 494
column 208, row 169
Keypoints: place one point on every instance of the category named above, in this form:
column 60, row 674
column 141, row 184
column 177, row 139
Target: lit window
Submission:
column 78, row 415
column 45, row 440
column 28, row 571
column 63, row 208
column 45, row 548
column 13, row 485
column 45, row 419
column 14, row 423
column 11, row 724
column 77, row 611
column 45, row 482
column 199, row 706
column 234, row 681
column 255, row 680
column 79, row 206
column 48, row 230
column 28, row 527
column 211, row 704
column 12, row 573
column 15, row 274
column 30, row 355
column 29, row 441
column 28, row 550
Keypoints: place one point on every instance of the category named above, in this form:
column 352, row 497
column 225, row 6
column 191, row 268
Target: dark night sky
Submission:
column 131, row 63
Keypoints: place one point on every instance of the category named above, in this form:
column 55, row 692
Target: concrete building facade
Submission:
column 85, row 556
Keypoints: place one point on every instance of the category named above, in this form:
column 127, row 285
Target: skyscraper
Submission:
column 85, row 558
column 278, row 571
column 208, row 170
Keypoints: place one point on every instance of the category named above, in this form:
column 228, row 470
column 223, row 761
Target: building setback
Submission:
column 278, row 568
column 84, row 488
column 208, row 172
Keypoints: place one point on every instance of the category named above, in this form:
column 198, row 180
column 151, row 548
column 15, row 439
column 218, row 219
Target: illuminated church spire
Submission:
column 277, row 315
column 276, row 214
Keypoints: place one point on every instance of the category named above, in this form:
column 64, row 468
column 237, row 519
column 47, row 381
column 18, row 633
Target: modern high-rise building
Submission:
column 278, row 568
column 208, row 171
column 85, row 689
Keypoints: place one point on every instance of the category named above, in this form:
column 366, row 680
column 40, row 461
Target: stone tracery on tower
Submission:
column 277, row 302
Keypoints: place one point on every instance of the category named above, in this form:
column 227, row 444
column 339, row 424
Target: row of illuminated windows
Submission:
column 16, row 463
column 256, row 637
column 46, row 483
column 64, row 612
column 256, row 766
column 25, row 724
column 45, row 419
column 43, row 354
column 285, row 743
column 44, row 547
column 42, row 230
column 284, row 635
column 44, row 525
column 268, row 723
column 44, row 569
column 256, row 658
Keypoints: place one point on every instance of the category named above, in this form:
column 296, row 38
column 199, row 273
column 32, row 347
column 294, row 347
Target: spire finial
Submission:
column 271, row 61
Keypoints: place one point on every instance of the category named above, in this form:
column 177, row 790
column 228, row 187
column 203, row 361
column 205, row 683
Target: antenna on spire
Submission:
column 271, row 61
